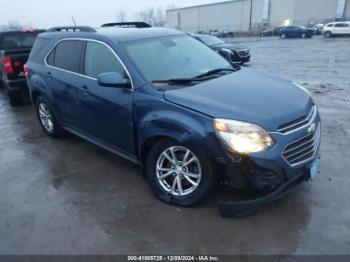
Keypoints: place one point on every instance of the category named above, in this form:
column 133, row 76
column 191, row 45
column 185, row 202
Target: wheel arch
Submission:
column 34, row 95
column 196, row 132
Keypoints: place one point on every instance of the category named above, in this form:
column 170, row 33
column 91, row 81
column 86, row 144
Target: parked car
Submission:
column 164, row 100
column 270, row 32
column 317, row 29
column 337, row 29
column 14, row 51
column 234, row 53
column 295, row 31
column 266, row 32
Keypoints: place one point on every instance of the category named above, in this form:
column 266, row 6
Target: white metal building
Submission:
column 235, row 15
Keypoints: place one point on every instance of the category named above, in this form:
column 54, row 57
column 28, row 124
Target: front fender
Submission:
column 183, row 125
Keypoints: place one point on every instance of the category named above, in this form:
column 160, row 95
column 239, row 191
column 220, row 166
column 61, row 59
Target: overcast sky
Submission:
column 47, row 13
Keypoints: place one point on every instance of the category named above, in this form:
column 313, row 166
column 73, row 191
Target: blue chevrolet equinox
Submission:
column 162, row 99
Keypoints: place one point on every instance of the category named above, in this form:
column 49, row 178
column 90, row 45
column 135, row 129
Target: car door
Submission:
column 289, row 31
column 344, row 28
column 338, row 28
column 296, row 31
column 63, row 64
column 105, row 113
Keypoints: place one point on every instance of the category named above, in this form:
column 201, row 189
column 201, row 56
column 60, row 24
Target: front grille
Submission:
column 302, row 150
column 243, row 53
column 295, row 124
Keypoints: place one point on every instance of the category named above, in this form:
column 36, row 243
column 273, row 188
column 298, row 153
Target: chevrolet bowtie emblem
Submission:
column 312, row 128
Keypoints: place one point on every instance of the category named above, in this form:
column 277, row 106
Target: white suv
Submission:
column 336, row 28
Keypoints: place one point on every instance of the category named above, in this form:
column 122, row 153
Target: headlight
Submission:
column 241, row 137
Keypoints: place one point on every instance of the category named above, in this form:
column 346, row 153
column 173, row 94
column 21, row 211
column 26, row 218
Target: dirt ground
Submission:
column 70, row 197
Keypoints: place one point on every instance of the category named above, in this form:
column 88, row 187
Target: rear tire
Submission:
column 15, row 97
column 47, row 119
column 164, row 177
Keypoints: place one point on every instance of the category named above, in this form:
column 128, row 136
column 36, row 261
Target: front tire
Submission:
column 283, row 36
column 303, row 35
column 328, row 35
column 178, row 174
column 47, row 119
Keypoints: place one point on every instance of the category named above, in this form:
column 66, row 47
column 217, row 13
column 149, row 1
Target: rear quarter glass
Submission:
column 39, row 44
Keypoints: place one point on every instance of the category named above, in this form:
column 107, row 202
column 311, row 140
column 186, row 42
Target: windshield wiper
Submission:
column 216, row 71
column 174, row 81
column 202, row 77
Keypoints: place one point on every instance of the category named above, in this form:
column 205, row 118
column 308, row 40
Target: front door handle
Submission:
column 85, row 90
column 49, row 75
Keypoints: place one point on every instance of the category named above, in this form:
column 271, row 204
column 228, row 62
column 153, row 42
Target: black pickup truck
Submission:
column 15, row 47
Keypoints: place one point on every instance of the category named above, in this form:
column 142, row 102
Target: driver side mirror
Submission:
column 113, row 79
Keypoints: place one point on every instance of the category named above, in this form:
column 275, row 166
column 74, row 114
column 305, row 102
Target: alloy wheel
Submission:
column 178, row 171
column 46, row 118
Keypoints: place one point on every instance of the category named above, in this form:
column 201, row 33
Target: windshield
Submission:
column 14, row 41
column 173, row 57
column 211, row 40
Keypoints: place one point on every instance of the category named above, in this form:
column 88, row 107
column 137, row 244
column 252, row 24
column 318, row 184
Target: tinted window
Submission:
column 11, row 41
column 39, row 44
column 341, row 25
column 100, row 59
column 67, row 55
column 211, row 40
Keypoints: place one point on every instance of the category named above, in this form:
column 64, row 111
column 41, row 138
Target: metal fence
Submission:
column 255, row 27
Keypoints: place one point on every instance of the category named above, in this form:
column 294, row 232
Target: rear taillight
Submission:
column 26, row 69
column 6, row 62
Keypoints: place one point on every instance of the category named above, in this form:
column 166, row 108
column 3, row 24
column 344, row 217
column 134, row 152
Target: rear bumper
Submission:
column 16, row 85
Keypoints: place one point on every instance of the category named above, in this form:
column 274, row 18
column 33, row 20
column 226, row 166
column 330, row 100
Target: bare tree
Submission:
column 147, row 15
column 121, row 16
column 14, row 25
column 159, row 19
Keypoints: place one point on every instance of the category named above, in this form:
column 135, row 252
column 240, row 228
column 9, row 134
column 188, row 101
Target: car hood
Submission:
column 246, row 95
column 229, row 46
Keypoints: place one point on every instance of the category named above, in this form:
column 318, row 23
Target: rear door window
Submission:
column 100, row 59
column 66, row 55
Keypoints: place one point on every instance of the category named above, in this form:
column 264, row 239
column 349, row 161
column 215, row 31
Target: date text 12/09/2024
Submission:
column 173, row 258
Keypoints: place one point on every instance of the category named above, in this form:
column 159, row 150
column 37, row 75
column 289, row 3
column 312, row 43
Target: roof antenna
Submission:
column 74, row 21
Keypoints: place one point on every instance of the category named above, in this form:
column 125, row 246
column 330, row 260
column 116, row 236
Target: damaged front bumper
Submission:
column 273, row 173
column 234, row 209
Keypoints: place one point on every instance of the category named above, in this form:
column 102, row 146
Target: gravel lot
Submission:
column 70, row 197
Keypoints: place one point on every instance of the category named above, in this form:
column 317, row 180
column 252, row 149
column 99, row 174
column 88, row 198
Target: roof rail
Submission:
column 128, row 24
column 72, row 29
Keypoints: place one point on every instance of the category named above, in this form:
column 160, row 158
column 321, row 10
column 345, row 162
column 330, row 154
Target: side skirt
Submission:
column 103, row 145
